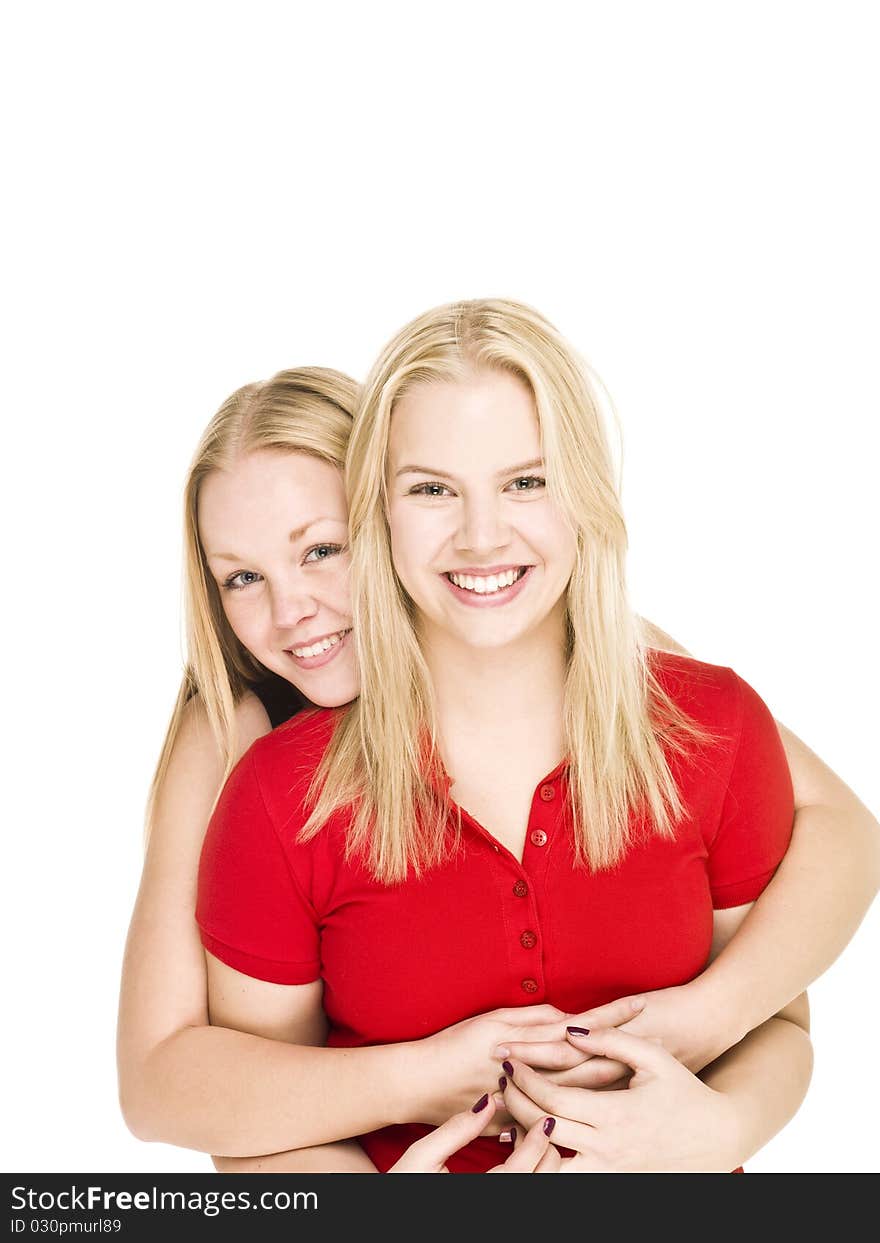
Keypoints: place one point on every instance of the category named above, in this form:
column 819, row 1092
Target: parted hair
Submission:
column 307, row 410
column 620, row 726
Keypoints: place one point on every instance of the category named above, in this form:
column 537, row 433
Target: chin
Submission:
column 335, row 695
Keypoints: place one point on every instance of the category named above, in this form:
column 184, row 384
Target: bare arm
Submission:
column 766, row 1075
column 809, row 911
column 180, row 1080
column 811, row 908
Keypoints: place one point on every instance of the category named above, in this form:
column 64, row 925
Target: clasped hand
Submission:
column 666, row 1119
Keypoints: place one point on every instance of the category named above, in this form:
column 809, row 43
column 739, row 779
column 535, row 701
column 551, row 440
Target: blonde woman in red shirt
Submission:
column 226, row 1091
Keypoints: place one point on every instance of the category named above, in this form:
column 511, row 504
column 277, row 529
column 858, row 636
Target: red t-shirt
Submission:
column 483, row 930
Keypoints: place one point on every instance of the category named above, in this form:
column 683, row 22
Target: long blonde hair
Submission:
column 618, row 720
column 308, row 410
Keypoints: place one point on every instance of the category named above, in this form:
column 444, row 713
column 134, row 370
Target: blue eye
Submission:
column 244, row 578
column 322, row 552
column 527, row 483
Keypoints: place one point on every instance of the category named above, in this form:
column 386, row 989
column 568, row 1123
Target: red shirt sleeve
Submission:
column 251, row 911
column 756, row 818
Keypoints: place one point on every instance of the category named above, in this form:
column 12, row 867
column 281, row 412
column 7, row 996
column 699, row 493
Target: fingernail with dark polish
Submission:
column 578, row 1031
column 513, row 1134
column 502, row 1082
column 481, row 1103
column 549, row 1124
column 507, row 1068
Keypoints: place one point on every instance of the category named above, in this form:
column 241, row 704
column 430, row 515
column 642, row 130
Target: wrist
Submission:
column 407, row 1098
column 721, row 1011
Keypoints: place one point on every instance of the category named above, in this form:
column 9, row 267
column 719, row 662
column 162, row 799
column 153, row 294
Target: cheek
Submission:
column 401, row 535
column 416, row 538
column 335, row 590
column 557, row 543
column 244, row 618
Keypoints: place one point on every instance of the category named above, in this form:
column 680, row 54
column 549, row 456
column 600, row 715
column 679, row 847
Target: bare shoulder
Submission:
column 252, row 721
column 196, row 738
column 194, row 776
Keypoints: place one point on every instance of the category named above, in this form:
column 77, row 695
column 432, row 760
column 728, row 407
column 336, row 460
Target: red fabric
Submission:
column 401, row 962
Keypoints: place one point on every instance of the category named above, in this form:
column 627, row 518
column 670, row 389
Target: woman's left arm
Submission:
column 824, row 884
column 808, row 913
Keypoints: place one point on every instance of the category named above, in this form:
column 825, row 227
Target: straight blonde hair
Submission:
column 619, row 723
column 308, row 410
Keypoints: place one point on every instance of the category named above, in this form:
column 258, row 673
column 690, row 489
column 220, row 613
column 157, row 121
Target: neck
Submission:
column 503, row 690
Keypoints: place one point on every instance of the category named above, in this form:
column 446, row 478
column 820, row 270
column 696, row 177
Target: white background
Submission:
column 199, row 195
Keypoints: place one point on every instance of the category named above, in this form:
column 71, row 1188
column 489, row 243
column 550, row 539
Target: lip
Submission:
column 323, row 658
column 484, row 571
column 499, row 598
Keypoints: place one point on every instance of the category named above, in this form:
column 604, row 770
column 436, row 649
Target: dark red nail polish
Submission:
column 513, row 1134
column 578, row 1031
column 549, row 1124
column 502, row 1082
column 507, row 1068
column 481, row 1103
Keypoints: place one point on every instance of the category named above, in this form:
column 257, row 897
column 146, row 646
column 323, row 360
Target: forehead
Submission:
column 266, row 492
column 487, row 417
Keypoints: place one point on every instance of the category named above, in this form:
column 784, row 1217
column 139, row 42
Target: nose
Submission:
column 291, row 605
column 483, row 528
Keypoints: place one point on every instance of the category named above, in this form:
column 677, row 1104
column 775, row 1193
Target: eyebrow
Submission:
column 296, row 534
column 429, row 470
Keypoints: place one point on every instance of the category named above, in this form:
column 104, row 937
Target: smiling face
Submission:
column 274, row 528
column 477, row 542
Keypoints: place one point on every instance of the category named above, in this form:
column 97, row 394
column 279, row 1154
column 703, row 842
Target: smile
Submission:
column 489, row 585
column 321, row 651
column 484, row 589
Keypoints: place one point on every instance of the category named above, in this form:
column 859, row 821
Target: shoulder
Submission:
column 741, row 733
column 726, row 709
column 284, row 762
column 195, row 736
column 712, row 696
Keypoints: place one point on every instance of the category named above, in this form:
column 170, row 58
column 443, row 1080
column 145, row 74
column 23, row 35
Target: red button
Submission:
column 528, row 940
column 548, row 793
column 538, row 837
column 530, row 986
column 520, row 889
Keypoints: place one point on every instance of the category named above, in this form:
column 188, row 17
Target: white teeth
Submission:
column 487, row 586
column 323, row 645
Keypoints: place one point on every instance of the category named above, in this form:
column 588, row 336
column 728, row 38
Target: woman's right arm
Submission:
column 180, row 1080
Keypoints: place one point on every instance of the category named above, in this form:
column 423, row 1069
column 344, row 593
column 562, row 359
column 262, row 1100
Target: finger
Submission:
column 636, row 1051
column 546, row 1054
column 428, row 1155
column 565, row 1132
column 613, row 1014
column 578, row 1104
column 529, row 1015
column 527, row 1154
column 539, row 1033
column 551, row 1162
column 598, row 1072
